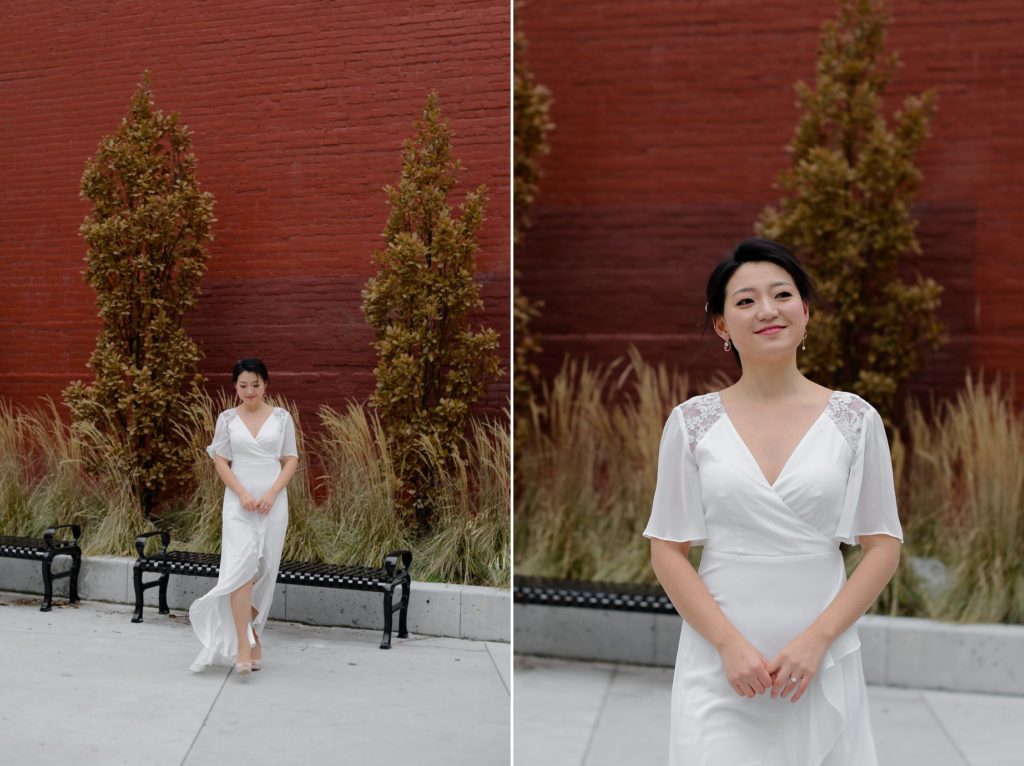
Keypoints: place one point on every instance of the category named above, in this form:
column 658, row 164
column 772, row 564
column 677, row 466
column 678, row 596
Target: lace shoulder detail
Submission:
column 281, row 414
column 699, row 414
column 847, row 412
column 229, row 414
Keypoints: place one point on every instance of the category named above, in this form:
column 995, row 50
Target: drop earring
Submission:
column 727, row 345
column 803, row 343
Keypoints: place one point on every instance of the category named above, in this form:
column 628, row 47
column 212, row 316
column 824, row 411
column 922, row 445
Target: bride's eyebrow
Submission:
column 772, row 286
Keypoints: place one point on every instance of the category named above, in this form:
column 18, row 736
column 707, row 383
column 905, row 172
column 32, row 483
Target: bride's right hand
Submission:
column 745, row 668
column 248, row 501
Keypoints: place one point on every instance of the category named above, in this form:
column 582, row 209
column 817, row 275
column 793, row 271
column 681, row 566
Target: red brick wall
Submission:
column 298, row 112
column 672, row 119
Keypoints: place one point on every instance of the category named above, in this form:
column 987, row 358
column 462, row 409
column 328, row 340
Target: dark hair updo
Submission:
column 250, row 364
column 754, row 250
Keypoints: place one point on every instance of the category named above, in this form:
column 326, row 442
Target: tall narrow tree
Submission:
column 531, row 123
column 146, row 238
column 846, row 211
column 432, row 365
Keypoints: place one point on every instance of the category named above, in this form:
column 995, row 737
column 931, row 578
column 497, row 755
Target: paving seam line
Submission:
column 205, row 719
column 494, row 661
column 935, row 716
column 600, row 712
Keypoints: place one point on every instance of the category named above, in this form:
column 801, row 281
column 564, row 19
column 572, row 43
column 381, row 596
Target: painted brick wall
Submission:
column 672, row 118
column 298, row 112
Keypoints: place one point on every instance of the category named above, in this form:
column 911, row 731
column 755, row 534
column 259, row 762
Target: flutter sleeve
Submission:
column 221, row 439
column 677, row 513
column 288, row 446
column 869, row 507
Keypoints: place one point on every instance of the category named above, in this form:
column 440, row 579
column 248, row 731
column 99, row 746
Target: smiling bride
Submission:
column 249, row 444
column 770, row 475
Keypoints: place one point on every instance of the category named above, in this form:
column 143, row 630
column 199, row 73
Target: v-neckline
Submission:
column 789, row 458
column 256, row 436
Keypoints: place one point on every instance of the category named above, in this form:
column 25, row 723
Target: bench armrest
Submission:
column 140, row 542
column 391, row 561
column 76, row 532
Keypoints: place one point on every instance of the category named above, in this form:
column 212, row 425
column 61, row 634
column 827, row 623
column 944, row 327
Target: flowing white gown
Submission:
column 251, row 542
column 771, row 560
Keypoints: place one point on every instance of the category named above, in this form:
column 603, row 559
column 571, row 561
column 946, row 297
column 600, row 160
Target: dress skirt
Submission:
column 770, row 600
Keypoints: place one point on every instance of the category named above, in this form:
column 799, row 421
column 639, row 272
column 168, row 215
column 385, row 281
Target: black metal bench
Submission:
column 384, row 579
column 45, row 550
column 621, row 597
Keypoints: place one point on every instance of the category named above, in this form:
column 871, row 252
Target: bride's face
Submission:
column 764, row 315
column 250, row 388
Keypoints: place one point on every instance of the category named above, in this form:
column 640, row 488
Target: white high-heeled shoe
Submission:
column 257, row 664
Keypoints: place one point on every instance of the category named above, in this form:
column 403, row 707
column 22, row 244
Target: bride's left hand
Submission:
column 266, row 502
column 801, row 658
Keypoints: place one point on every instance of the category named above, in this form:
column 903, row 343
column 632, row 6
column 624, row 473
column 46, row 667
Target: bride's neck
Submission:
column 770, row 382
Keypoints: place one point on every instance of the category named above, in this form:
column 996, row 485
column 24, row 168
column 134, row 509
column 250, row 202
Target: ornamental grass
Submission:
column 341, row 499
column 963, row 498
column 586, row 467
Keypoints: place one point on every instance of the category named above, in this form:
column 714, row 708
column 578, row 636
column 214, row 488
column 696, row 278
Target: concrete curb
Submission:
column 435, row 609
column 897, row 651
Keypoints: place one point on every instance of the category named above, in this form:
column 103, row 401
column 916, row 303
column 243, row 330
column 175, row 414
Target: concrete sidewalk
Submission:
column 83, row 685
column 570, row 713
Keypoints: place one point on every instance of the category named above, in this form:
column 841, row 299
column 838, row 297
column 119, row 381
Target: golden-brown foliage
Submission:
column 846, row 213
column 146, row 238
column 531, row 123
column 432, row 366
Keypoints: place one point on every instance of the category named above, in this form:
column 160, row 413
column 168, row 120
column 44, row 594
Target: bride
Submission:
column 249, row 444
column 770, row 475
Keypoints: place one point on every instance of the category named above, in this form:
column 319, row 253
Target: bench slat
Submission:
column 32, row 548
column 385, row 579
column 624, row 597
column 293, row 572
column 45, row 550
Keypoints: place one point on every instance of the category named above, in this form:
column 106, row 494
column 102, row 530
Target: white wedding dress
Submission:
column 771, row 560
column 251, row 542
